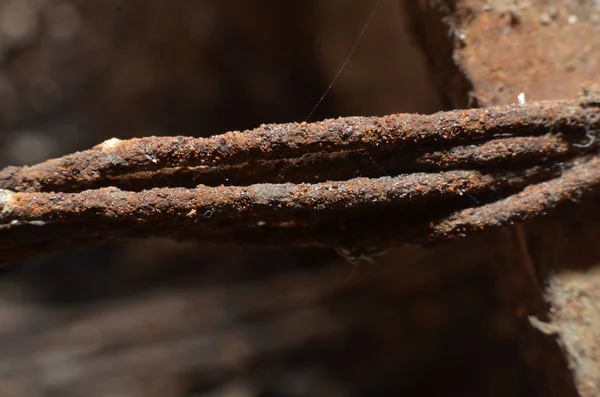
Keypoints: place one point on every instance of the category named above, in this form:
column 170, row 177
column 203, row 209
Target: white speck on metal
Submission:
column 5, row 200
column 110, row 143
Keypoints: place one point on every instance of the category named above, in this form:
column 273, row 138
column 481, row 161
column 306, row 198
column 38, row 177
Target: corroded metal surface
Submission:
column 502, row 48
column 375, row 134
column 319, row 167
column 544, row 49
column 260, row 201
column 508, row 51
column 446, row 175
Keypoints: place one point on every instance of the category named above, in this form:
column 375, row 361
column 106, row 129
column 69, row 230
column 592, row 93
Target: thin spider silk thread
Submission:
column 352, row 50
column 340, row 70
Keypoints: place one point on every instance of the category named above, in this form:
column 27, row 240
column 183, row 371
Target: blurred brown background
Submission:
column 159, row 318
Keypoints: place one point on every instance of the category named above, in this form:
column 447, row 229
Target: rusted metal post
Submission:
column 507, row 51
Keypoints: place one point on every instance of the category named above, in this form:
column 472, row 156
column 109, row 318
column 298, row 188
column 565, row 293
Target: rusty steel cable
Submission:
column 334, row 183
column 322, row 167
column 284, row 141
